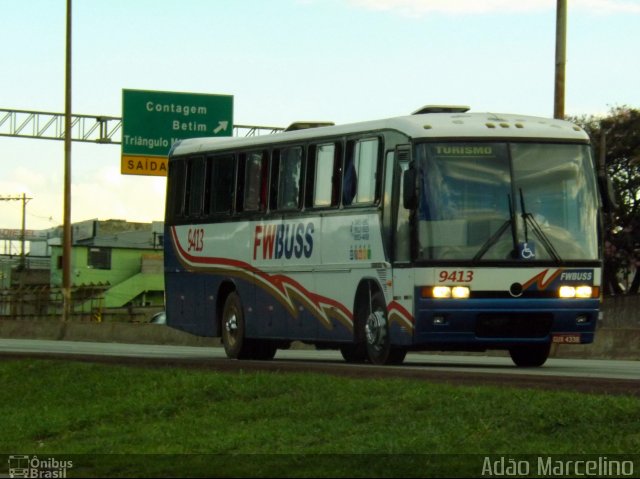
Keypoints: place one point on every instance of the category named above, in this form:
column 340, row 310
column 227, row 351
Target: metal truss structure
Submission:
column 86, row 128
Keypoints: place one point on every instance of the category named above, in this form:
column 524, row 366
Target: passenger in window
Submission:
column 290, row 179
column 350, row 187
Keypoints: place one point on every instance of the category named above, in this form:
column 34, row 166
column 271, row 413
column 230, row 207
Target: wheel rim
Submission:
column 231, row 327
column 376, row 329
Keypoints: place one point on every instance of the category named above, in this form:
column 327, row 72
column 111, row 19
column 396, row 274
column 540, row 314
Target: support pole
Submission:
column 66, row 231
column 561, row 58
column 23, row 231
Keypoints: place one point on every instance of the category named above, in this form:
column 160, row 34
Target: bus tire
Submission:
column 530, row 355
column 236, row 346
column 396, row 356
column 354, row 352
column 376, row 328
column 263, row 350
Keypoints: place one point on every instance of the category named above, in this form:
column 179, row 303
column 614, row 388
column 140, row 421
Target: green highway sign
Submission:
column 153, row 120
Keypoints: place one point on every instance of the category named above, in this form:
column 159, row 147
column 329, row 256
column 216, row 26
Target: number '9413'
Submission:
column 455, row 276
column 196, row 239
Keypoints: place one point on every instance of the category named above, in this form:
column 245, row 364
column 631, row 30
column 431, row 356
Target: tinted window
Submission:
column 175, row 197
column 195, row 186
column 255, row 182
column 220, row 184
column 289, row 178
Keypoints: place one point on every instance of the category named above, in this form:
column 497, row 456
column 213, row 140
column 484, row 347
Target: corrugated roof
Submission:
column 124, row 239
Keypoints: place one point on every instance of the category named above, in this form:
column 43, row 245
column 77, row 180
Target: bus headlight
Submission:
column 441, row 292
column 446, row 292
column 567, row 292
column 460, row 292
column 575, row 292
column 584, row 292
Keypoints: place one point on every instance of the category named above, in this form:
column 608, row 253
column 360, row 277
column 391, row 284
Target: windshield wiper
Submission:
column 528, row 217
column 496, row 236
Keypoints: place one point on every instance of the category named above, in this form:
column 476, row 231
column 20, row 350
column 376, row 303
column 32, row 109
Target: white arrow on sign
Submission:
column 222, row 125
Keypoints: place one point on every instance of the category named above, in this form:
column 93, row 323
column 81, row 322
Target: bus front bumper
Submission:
column 501, row 323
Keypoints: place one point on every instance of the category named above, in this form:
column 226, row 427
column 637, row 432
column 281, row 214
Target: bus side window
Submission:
column 175, row 199
column 309, row 177
column 360, row 175
column 273, row 180
column 289, row 175
column 350, row 180
column 366, row 164
column 336, row 179
column 264, row 181
column 255, row 177
column 195, row 187
column 402, row 243
column 324, row 175
column 220, row 185
column 186, row 188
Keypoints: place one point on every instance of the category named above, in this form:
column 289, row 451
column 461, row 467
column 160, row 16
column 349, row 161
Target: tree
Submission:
column 621, row 132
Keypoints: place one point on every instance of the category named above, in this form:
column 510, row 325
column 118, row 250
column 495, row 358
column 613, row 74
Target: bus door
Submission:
column 403, row 272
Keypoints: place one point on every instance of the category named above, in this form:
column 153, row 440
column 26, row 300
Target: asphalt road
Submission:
column 589, row 375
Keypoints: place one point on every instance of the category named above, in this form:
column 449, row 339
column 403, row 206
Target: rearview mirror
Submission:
column 409, row 193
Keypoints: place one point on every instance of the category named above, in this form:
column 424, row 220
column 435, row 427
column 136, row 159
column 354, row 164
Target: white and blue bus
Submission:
column 441, row 230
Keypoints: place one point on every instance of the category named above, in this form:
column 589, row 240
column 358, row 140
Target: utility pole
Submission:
column 24, row 200
column 23, row 231
column 66, row 229
column 561, row 58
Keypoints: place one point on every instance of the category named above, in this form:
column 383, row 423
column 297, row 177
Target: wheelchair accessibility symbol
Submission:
column 527, row 250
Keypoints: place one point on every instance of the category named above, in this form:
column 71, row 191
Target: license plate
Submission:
column 566, row 338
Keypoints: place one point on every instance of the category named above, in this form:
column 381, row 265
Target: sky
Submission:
column 288, row 60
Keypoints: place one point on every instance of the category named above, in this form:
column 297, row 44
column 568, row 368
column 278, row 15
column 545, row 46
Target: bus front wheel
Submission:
column 530, row 355
column 354, row 352
column 376, row 328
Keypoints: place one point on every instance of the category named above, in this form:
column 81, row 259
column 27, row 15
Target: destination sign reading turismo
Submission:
column 152, row 121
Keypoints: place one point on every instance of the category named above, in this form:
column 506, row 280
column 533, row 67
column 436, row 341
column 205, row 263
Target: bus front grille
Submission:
column 513, row 325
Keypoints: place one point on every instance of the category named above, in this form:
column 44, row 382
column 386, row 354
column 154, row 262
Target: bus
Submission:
column 441, row 230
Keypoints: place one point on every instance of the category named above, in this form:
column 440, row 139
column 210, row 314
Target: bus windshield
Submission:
column 506, row 201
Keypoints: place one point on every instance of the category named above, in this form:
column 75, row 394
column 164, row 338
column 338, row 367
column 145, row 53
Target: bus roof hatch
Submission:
column 303, row 125
column 441, row 109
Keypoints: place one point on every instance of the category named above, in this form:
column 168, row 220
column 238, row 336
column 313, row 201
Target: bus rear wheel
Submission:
column 262, row 350
column 236, row 346
column 530, row 355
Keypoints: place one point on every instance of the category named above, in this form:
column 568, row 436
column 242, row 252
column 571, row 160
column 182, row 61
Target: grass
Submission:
column 274, row 424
